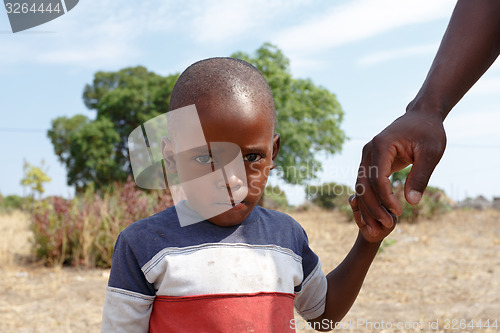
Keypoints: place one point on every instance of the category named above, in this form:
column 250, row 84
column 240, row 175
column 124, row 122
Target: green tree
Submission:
column 95, row 151
column 309, row 116
column 96, row 155
column 34, row 178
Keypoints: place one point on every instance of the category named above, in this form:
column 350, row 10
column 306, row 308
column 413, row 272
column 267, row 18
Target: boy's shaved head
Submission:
column 222, row 143
column 225, row 79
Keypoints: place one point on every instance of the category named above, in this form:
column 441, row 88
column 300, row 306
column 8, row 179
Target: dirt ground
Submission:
column 430, row 275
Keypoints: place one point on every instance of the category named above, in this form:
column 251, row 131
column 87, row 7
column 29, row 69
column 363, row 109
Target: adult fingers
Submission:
column 427, row 154
column 384, row 155
column 419, row 176
column 366, row 195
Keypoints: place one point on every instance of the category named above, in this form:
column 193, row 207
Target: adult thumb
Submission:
column 417, row 181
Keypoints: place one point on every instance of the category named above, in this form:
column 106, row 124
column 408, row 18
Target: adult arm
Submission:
column 469, row 46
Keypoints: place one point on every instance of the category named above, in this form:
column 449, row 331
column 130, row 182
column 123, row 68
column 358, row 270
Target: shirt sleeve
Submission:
column 129, row 296
column 310, row 295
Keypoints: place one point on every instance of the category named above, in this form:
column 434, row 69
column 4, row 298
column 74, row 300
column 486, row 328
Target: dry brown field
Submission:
column 429, row 274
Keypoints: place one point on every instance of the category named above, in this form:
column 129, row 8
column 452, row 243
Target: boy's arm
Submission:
column 345, row 281
column 470, row 45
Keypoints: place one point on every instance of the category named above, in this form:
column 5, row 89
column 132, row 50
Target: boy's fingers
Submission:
column 370, row 205
column 353, row 201
column 359, row 221
column 364, row 190
column 374, row 228
column 394, row 220
column 371, row 224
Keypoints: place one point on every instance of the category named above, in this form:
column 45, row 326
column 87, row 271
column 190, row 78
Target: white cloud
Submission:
column 93, row 34
column 224, row 20
column 103, row 33
column 301, row 66
column 358, row 20
column 379, row 57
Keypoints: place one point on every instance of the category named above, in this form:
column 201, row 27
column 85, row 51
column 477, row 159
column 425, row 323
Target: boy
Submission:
column 241, row 268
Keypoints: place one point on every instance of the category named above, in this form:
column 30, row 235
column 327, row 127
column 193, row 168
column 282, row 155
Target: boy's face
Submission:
column 228, row 126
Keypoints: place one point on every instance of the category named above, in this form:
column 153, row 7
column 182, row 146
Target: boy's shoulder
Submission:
column 277, row 218
column 151, row 225
column 278, row 227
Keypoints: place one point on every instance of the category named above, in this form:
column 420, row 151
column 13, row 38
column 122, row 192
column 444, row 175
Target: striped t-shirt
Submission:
column 206, row 278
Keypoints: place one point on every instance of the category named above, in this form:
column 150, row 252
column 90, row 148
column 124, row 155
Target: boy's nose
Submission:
column 232, row 181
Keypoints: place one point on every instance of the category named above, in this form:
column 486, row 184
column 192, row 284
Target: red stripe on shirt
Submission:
column 258, row 312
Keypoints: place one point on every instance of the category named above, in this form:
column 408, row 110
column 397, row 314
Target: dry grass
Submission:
column 14, row 238
column 39, row 299
column 442, row 269
column 434, row 270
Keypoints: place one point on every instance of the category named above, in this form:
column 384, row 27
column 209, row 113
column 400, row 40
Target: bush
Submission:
column 434, row 200
column 13, row 202
column 275, row 198
column 331, row 196
column 82, row 231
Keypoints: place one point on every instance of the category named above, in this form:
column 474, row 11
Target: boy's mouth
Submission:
column 231, row 206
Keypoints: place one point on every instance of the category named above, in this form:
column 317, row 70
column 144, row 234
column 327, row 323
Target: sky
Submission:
column 372, row 54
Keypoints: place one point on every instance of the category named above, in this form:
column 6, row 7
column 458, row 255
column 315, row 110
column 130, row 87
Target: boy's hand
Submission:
column 374, row 231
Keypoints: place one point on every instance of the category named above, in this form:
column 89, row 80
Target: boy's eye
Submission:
column 252, row 157
column 204, row 159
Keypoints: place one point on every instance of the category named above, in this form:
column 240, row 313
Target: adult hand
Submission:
column 416, row 138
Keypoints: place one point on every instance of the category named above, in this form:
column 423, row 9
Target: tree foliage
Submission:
column 95, row 151
column 309, row 116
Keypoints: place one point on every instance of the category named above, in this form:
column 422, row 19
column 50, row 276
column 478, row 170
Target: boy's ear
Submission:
column 276, row 148
column 167, row 150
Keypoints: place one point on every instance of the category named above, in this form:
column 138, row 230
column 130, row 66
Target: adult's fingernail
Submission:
column 414, row 197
